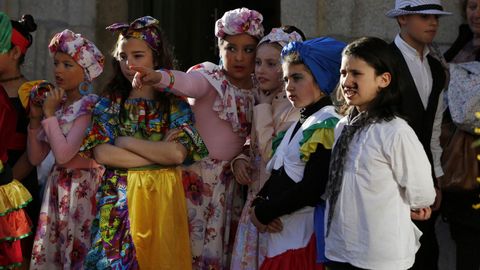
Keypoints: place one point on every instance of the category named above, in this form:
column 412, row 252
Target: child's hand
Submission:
column 275, row 226
column 145, row 76
column 421, row 213
column 260, row 227
column 52, row 102
column 171, row 135
column 36, row 114
column 242, row 171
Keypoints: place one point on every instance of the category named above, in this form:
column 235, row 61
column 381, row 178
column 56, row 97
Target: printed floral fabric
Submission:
column 142, row 118
column 233, row 104
column 464, row 94
column 214, row 206
column 82, row 50
column 113, row 246
column 144, row 28
column 69, row 206
column 281, row 37
column 238, row 21
column 67, row 115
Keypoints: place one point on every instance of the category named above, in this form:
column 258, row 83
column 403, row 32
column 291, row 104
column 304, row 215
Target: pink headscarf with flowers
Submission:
column 281, row 37
column 82, row 50
column 239, row 21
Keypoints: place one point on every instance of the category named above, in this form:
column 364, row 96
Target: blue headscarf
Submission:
column 322, row 56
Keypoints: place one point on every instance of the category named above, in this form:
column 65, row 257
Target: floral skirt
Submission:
column 14, row 223
column 63, row 233
column 214, row 203
column 250, row 246
column 142, row 222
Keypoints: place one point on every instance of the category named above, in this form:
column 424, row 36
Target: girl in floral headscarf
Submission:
column 222, row 101
column 69, row 205
column 142, row 137
column 272, row 115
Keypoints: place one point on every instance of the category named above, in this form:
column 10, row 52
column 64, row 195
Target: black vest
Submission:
column 411, row 106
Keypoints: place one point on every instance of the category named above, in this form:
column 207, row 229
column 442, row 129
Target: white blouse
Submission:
column 386, row 174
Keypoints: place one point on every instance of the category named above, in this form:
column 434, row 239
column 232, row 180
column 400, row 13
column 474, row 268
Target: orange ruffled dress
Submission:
column 14, row 223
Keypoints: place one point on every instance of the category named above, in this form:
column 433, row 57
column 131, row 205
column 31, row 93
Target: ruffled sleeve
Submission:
column 105, row 123
column 181, row 117
column 320, row 133
column 232, row 104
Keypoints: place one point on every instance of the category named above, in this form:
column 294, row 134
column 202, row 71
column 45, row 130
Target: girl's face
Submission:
column 268, row 69
column 134, row 52
column 360, row 85
column 238, row 56
column 68, row 74
column 9, row 60
column 302, row 90
column 418, row 29
column 473, row 15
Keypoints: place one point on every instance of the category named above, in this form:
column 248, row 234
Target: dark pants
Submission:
column 341, row 266
column 467, row 240
column 426, row 257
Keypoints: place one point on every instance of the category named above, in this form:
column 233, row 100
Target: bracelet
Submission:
column 172, row 80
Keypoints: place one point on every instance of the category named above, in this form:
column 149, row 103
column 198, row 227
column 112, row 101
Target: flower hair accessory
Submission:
column 281, row 37
column 82, row 50
column 239, row 21
column 144, row 28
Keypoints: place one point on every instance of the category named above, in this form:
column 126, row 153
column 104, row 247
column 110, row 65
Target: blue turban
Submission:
column 322, row 56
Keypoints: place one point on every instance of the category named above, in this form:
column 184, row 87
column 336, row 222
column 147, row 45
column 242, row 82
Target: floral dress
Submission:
column 69, row 205
column 214, row 199
column 142, row 218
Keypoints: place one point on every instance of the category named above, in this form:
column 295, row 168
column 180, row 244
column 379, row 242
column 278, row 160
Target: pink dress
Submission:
column 223, row 114
column 269, row 121
column 63, row 234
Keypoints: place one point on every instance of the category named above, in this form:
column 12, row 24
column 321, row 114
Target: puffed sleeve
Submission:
column 410, row 166
column 181, row 117
column 104, row 125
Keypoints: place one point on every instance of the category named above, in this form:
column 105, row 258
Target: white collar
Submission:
column 409, row 50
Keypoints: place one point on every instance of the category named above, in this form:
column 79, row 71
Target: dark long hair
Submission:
column 380, row 56
column 119, row 86
column 25, row 26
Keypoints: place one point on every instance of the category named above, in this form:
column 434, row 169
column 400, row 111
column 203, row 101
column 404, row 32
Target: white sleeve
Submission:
column 435, row 141
column 411, row 167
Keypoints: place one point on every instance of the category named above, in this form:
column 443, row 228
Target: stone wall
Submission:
column 349, row 19
column 88, row 17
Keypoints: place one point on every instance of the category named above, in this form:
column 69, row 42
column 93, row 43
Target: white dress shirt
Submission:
column 386, row 174
column 422, row 76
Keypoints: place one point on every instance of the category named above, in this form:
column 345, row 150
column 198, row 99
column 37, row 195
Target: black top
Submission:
column 281, row 195
column 411, row 108
column 22, row 123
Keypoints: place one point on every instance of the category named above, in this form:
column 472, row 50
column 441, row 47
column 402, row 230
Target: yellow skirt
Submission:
column 158, row 219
